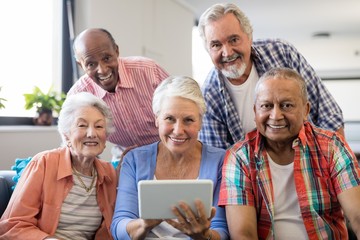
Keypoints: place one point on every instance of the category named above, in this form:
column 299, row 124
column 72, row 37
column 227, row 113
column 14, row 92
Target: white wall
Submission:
column 346, row 93
column 161, row 30
column 26, row 141
column 158, row 29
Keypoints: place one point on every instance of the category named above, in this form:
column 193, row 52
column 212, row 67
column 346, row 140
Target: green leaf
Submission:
column 51, row 100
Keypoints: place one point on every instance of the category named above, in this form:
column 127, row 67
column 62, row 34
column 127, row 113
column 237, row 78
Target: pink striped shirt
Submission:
column 130, row 104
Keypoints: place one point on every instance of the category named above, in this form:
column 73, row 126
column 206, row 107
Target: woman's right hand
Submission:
column 139, row 228
column 151, row 223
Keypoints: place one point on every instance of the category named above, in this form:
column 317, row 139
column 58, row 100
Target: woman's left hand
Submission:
column 195, row 225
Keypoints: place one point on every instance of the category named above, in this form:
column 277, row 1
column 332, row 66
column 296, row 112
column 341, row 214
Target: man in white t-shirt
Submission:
column 238, row 63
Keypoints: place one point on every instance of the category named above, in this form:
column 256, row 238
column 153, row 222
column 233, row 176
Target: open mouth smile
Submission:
column 90, row 143
column 105, row 78
column 276, row 126
column 177, row 140
column 231, row 59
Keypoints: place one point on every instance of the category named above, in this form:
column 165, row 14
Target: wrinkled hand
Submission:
column 151, row 223
column 195, row 225
column 139, row 228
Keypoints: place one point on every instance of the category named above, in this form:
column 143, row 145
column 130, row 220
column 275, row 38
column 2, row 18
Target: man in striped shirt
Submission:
column 126, row 84
column 289, row 179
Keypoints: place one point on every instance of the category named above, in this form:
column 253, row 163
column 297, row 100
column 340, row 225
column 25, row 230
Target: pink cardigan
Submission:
column 34, row 208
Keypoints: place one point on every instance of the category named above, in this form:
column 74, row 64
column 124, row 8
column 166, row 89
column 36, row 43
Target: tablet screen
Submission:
column 157, row 197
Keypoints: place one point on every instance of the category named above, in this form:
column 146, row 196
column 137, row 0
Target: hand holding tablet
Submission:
column 157, row 197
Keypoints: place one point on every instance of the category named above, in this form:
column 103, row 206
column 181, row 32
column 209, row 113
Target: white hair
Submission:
column 178, row 86
column 80, row 100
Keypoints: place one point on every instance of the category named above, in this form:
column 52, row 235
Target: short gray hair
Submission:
column 283, row 73
column 80, row 100
column 178, row 86
column 219, row 10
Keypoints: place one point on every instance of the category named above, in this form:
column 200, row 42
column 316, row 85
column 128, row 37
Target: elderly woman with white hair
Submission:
column 178, row 106
column 68, row 192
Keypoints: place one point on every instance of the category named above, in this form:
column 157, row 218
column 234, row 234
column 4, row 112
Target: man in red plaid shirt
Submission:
column 289, row 179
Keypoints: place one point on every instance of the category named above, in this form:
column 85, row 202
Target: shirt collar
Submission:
column 258, row 143
column 222, row 78
column 301, row 139
column 302, row 135
column 102, row 176
column 254, row 53
column 65, row 167
column 124, row 76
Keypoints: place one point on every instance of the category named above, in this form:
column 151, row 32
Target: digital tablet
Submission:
column 157, row 197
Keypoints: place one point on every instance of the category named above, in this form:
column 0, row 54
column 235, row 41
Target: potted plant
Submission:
column 1, row 101
column 45, row 103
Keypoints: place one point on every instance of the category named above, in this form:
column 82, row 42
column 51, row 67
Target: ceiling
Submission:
column 337, row 55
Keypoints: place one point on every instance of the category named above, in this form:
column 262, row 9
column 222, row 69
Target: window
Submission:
column 346, row 93
column 200, row 57
column 30, row 48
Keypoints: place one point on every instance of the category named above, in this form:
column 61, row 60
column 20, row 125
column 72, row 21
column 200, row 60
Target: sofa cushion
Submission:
column 6, row 184
column 20, row 164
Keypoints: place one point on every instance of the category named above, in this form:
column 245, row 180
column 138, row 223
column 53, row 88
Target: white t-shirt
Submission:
column 288, row 220
column 243, row 98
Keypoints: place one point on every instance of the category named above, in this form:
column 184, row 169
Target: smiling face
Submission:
column 280, row 110
column 87, row 133
column 179, row 123
column 229, row 47
column 98, row 57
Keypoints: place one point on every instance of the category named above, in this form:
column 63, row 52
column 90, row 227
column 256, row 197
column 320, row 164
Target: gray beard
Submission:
column 233, row 72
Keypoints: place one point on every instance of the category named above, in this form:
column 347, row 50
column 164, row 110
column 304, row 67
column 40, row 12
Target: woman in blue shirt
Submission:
column 178, row 106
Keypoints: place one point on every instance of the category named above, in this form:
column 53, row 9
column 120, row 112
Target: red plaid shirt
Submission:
column 324, row 166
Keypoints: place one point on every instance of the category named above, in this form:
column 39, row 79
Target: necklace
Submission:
column 87, row 189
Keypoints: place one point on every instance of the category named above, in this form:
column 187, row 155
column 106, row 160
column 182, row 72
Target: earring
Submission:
column 68, row 144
